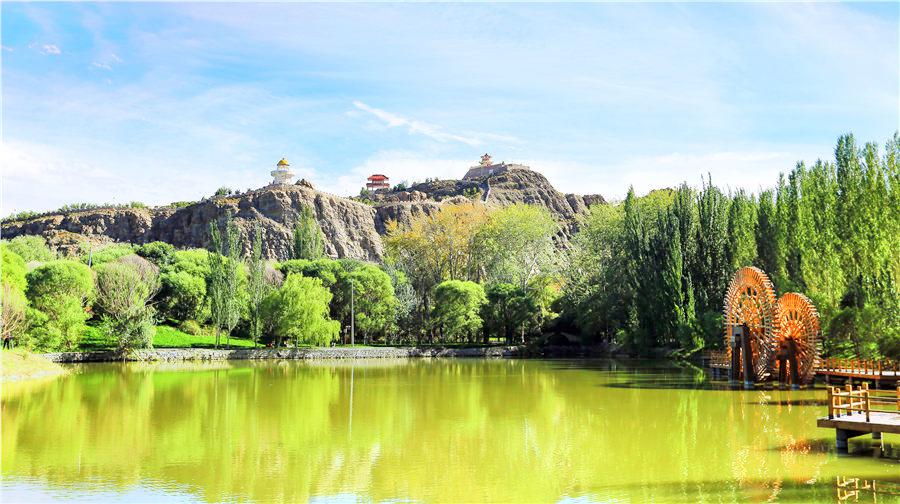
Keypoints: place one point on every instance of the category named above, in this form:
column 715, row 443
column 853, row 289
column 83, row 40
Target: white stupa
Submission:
column 282, row 173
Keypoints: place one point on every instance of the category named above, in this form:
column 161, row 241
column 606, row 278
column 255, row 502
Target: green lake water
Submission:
column 425, row 431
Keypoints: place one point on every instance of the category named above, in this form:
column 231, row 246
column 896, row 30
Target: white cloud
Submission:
column 7, row 48
column 50, row 49
column 415, row 127
column 101, row 66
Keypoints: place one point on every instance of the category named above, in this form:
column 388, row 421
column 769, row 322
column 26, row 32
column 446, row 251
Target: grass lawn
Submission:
column 166, row 337
column 18, row 364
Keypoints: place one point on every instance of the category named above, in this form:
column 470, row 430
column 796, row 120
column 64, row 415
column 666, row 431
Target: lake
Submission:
column 458, row 430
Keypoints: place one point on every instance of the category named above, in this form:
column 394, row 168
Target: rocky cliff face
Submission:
column 514, row 186
column 352, row 229
column 349, row 226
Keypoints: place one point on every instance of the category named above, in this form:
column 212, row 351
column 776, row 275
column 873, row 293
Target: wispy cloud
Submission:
column 7, row 48
column 50, row 49
column 414, row 127
column 101, row 66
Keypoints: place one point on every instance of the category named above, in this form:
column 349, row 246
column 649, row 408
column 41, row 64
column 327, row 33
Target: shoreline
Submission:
column 209, row 354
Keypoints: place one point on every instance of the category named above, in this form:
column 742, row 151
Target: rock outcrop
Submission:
column 352, row 228
column 348, row 226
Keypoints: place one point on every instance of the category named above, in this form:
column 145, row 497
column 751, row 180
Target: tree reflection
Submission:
column 446, row 430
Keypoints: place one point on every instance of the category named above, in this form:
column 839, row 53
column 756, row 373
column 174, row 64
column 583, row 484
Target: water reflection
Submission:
column 446, row 430
column 864, row 490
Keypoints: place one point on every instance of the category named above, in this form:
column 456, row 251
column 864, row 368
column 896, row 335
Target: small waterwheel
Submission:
column 797, row 340
column 751, row 323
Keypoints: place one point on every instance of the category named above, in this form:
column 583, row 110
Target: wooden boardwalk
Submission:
column 853, row 413
column 881, row 372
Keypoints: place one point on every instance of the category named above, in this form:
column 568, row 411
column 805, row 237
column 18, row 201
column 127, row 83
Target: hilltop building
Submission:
column 282, row 173
column 488, row 167
column 378, row 181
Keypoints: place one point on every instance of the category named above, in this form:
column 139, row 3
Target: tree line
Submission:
column 652, row 272
column 643, row 274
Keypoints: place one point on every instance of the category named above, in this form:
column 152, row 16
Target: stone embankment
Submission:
column 208, row 354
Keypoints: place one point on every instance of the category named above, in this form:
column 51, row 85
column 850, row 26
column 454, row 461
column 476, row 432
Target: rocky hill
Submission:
column 352, row 228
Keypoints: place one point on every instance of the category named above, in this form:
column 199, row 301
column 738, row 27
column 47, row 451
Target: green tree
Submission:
column 62, row 291
column 125, row 289
column 374, row 301
column 741, row 247
column 13, row 269
column 54, row 279
column 13, row 313
column 457, row 306
column 224, row 279
column 711, row 268
column 298, row 310
column 257, row 287
column 508, row 310
column 183, row 279
column 768, row 239
column 516, row 243
column 309, row 242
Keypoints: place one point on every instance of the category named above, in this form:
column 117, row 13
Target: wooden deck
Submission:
column 878, row 422
column 853, row 413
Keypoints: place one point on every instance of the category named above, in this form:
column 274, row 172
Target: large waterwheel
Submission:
column 751, row 323
column 797, row 340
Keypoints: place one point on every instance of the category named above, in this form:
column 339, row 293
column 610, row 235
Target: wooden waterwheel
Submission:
column 797, row 340
column 750, row 303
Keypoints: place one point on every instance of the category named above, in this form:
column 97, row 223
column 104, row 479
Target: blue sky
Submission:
column 168, row 101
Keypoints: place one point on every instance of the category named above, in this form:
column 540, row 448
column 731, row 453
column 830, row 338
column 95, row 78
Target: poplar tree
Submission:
column 224, row 295
column 257, row 286
column 309, row 243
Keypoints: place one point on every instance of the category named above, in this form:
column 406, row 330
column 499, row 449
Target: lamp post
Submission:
column 352, row 315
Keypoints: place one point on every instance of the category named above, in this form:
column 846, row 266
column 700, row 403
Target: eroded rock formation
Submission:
column 352, row 228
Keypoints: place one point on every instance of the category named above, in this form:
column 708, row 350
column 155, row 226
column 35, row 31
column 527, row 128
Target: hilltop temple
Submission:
column 487, row 168
column 282, row 173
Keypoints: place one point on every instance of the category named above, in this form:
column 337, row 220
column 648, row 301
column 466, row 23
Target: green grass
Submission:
column 95, row 339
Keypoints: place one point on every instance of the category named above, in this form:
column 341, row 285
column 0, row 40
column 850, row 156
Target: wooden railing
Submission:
column 716, row 358
column 861, row 401
column 860, row 367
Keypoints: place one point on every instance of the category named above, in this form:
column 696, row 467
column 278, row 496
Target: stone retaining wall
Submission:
column 208, row 354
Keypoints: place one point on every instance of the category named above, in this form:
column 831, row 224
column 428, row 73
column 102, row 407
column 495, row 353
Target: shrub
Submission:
column 13, row 268
column 58, row 326
column 223, row 191
column 23, row 215
column 106, row 253
column 182, row 296
column 191, row 327
column 124, row 291
column 31, row 248
column 159, row 253
column 60, row 278
column 193, row 261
